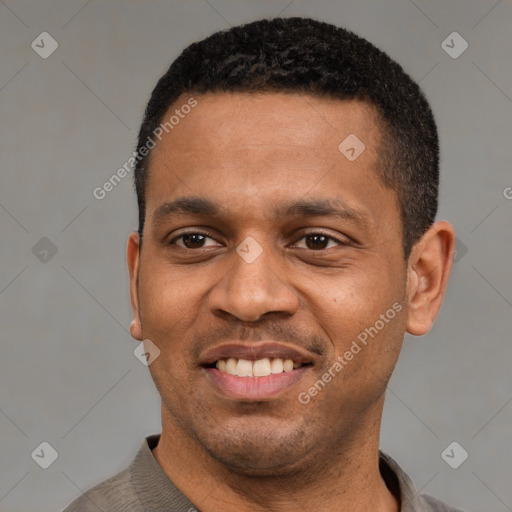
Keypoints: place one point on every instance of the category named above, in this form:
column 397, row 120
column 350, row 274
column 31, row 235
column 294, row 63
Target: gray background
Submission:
column 68, row 375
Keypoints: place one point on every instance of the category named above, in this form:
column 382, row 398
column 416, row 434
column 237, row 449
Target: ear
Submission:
column 429, row 267
column 133, row 258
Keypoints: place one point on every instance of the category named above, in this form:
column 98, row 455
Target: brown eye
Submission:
column 320, row 241
column 317, row 241
column 192, row 240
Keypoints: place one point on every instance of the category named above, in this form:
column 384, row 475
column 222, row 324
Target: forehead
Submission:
column 242, row 149
column 299, row 120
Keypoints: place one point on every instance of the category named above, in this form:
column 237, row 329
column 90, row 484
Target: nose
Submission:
column 251, row 289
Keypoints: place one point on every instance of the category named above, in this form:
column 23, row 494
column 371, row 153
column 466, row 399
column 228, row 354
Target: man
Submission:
column 287, row 181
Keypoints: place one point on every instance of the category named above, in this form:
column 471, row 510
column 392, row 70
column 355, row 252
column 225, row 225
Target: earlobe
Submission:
column 133, row 260
column 136, row 329
column 429, row 268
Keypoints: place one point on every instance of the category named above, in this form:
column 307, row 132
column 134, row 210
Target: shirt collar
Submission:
column 154, row 487
column 400, row 484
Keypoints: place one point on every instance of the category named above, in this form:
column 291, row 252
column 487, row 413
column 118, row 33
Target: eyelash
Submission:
column 209, row 235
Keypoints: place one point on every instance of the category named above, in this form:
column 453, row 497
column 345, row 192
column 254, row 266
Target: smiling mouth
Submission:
column 258, row 368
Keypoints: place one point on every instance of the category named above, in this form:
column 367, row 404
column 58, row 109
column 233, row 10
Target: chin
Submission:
column 257, row 461
column 270, row 449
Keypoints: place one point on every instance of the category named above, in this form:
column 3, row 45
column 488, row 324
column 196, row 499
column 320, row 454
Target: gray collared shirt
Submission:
column 144, row 487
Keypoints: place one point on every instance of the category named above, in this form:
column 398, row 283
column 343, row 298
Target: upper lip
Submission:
column 255, row 350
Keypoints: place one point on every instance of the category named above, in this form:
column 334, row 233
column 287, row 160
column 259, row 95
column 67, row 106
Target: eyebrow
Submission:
column 186, row 206
column 202, row 207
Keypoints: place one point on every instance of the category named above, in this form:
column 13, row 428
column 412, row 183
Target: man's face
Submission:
column 268, row 273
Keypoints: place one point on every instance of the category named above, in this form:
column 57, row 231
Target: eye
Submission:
column 198, row 240
column 192, row 240
column 320, row 241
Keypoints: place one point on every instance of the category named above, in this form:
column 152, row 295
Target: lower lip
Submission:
column 255, row 388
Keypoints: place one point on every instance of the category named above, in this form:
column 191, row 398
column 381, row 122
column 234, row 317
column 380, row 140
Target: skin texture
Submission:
column 253, row 154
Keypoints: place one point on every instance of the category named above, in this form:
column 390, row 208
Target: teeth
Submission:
column 259, row 368
column 244, row 368
column 288, row 365
column 277, row 366
column 230, row 366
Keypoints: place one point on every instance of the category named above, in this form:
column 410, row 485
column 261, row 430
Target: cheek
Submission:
column 366, row 341
column 351, row 300
column 167, row 296
column 363, row 315
column 167, row 320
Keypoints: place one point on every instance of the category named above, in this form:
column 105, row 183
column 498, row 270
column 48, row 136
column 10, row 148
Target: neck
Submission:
column 347, row 478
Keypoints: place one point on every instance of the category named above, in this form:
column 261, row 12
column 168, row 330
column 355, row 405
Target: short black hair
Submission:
column 303, row 55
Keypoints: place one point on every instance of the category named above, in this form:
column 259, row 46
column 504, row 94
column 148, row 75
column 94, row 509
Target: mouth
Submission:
column 259, row 368
column 261, row 371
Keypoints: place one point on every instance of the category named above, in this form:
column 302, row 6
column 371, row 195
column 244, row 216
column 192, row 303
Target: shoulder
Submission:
column 115, row 493
column 402, row 487
column 431, row 504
